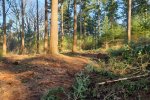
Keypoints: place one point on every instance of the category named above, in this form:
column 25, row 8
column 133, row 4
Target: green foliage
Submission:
column 106, row 27
column 107, row 74
column 117, row 31
column 67, row 43
column 141, row 27
column 111, row 8
column 89, row 68
column 101, row 71
column 87, row 43
column 131, row 51
column 80, row 87
column 119, row 67
column 134, row 86
column 117, row 52
column 13, row 45
column 124, row 90
column 53, row 94
column 30, row 42
column 0, row 31
column 111, row 31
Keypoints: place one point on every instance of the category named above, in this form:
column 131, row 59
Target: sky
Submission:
column 41, row 4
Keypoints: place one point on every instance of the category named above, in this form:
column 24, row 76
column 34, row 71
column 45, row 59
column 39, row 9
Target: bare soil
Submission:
column 29, row 77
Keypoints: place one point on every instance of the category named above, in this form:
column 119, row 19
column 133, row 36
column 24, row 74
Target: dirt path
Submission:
column 28, row 77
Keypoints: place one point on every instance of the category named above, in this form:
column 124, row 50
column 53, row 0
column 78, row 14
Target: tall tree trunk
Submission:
column 22, row 33
column 68, row 26
column 80, row 23
column 80, row 13
column 54, row 28
column 99, row 20
column 129, row 20
column 19, row 29
column 4, row 28
column 84, row 27
column 37, row 7
column 80, row 18
column 74, row 49
column 35, row 28
column 46, row 28
column 62, row 26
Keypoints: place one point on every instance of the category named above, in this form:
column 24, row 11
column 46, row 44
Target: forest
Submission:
column 74, row 49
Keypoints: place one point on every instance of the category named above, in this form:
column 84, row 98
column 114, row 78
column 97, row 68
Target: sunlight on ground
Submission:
column 10, row 87
column 18, row 57
column 42, row 71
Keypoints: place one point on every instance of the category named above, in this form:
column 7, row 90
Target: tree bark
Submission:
column 99, row 20
column 54, row 29
column 46, row 28
column 62, row 26
column 69, row 25
column 37, row 26
column 129, row 20
column 4, row 28
column 80, row 19
column 22, row 33
column 74, row 49
column 80, row 13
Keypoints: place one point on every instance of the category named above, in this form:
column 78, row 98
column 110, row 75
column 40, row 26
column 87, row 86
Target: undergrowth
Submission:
column 53, row 94
column 126, row 62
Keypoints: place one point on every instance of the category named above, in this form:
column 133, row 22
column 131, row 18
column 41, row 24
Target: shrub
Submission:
column 66, row 43
column 53, row 94
column 131, row 51
column 133, row 86
column 87, row 43
column 80, row 87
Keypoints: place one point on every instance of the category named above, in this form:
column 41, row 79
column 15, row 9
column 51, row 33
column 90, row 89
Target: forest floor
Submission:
column 24, row 77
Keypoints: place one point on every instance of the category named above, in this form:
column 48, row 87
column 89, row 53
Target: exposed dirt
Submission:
column 29, row 77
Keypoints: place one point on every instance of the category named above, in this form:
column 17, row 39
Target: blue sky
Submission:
column 41, row 4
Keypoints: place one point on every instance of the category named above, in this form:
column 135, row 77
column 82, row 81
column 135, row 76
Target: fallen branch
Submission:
column 123, row 79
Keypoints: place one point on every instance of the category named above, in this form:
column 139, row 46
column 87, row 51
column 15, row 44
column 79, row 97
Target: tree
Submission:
column 106, row 31
column 22, row 33
column 37, row 7
column 111, row 8
column 67, row 17
column 99, row 19
column 46, row 28
column 74, row 49
column 129, row 20
column 4, row 28
column 15, row 9
column 54, row 28
column 62, row 24
column 80, row 13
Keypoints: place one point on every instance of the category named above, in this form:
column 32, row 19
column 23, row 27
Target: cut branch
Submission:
column 123, row 79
